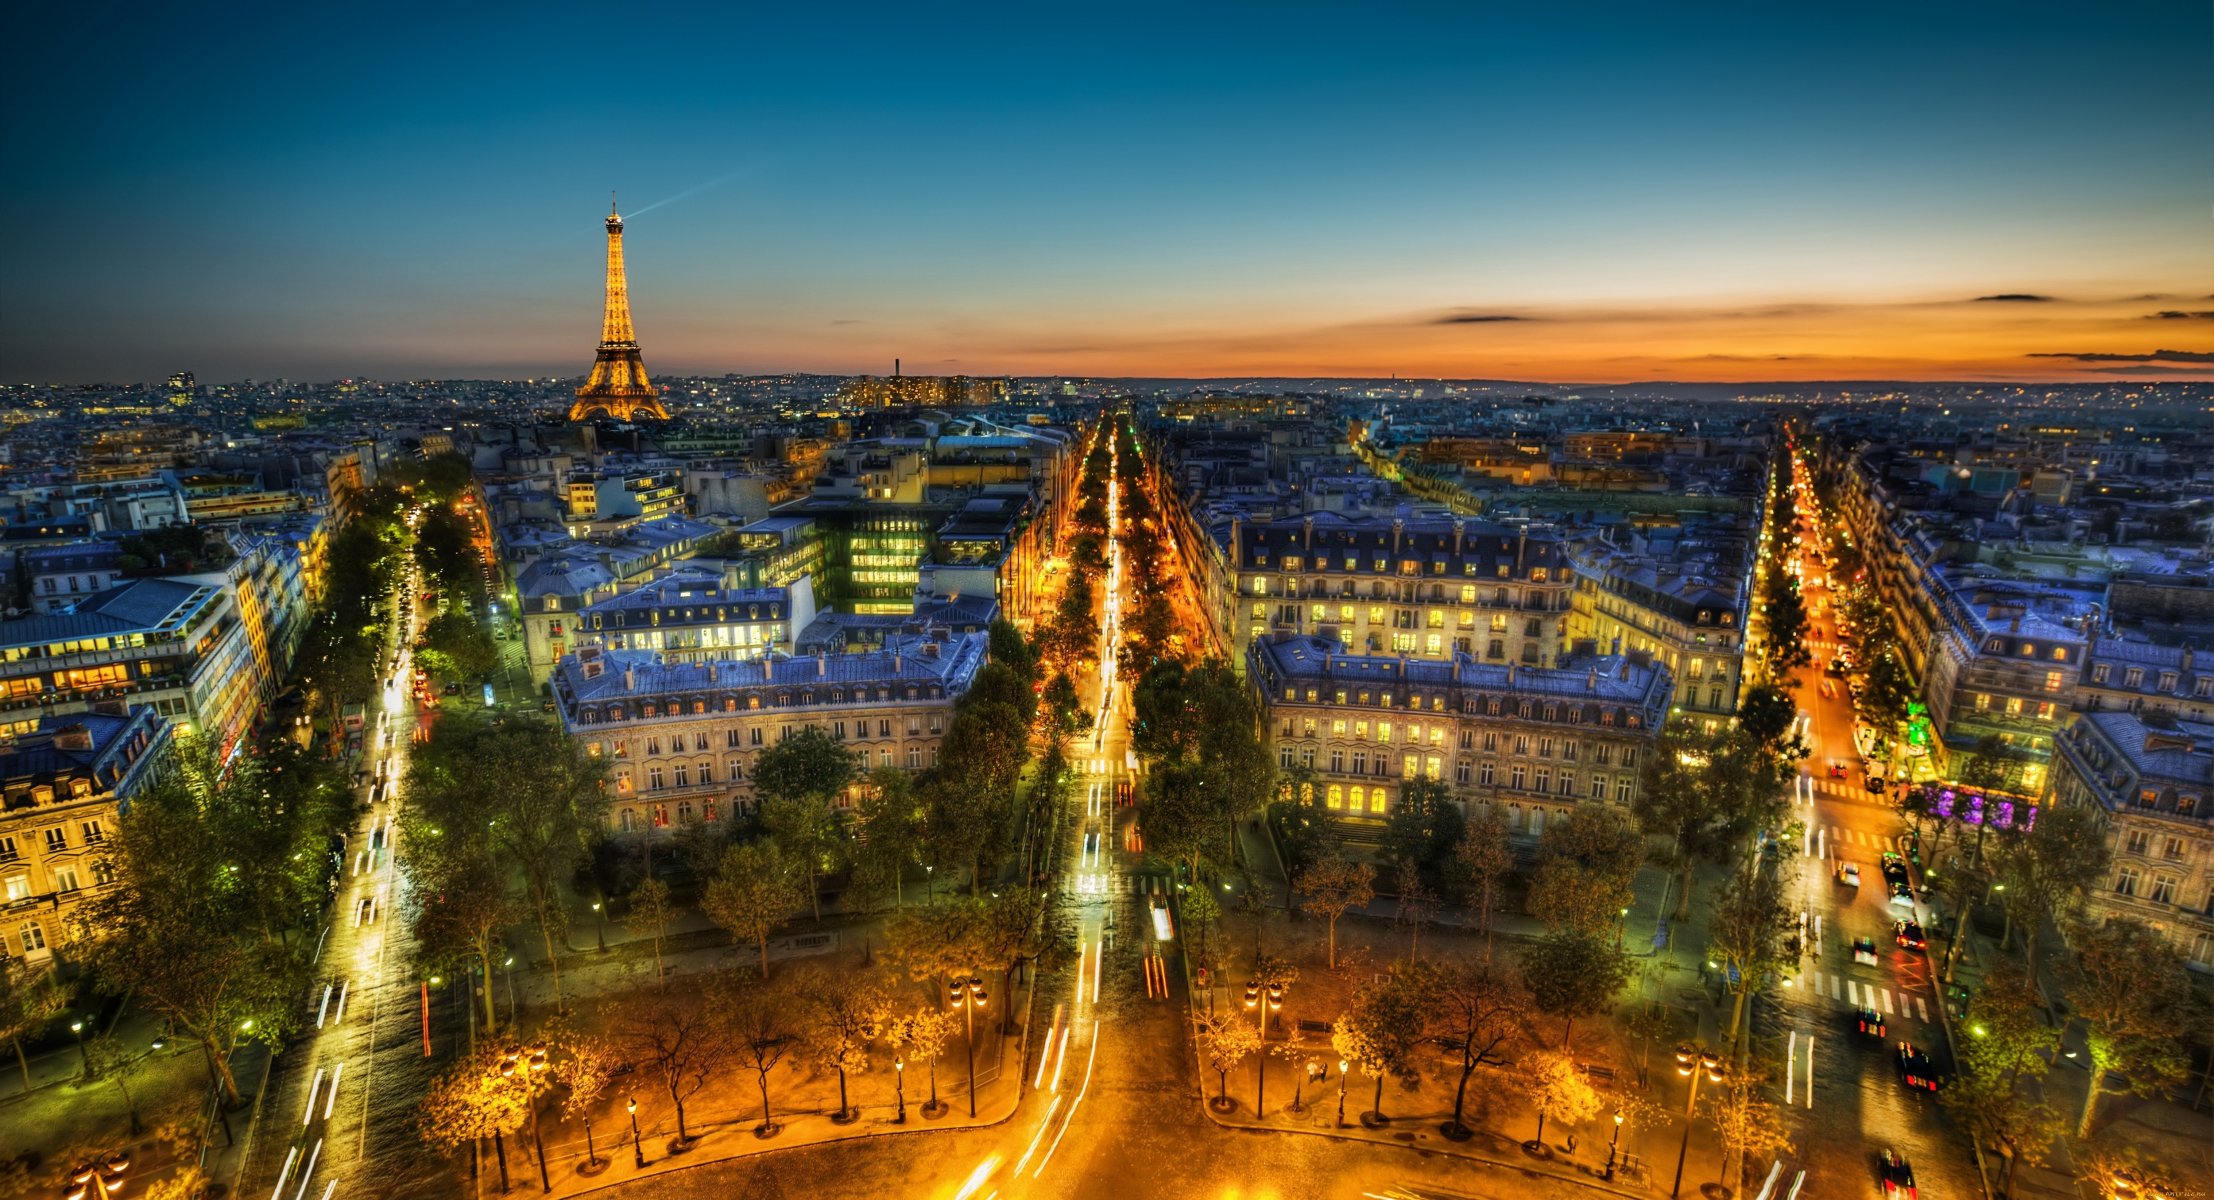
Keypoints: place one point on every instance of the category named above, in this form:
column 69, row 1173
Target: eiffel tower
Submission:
column 618, row 387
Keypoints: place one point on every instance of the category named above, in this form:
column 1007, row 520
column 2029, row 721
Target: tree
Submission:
column 457, row 903
column 2128, row 991
column 1749, row 935
column 939, row 942
column 583, row 1064
column 1333, row 885
column 676, row 1040
column 839, row 1016
column 1201, row 912
column 1225, row 1039
column 29, row 999
column 1587, row 865
column 2047, row 871
column 1992, row 766
column 754, row 889
column 651, row 910
column 1423, row 826
column 1066, row 707
column 536, row 793
column 1382, row 1033
column 922, row 1034
column 1708, row 794
column 457, row 646
column 797, row 778
column 107, row 1058
column 471, row 1101
column 1572, row 975
column 1745, row 1123
column 2008, row 1045
column 889, row 818
column 180, row 928
column 756, row 1018
column 1481, row 863
column 1303, row 832
column 1475, row 1014
column 1556, row 1089
column 1177, row 813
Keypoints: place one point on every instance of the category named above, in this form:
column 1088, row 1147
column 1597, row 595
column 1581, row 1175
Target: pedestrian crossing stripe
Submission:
column 1884, row 994
column 1867, row 995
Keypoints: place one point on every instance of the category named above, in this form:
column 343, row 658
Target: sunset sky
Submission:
column 1586, row 193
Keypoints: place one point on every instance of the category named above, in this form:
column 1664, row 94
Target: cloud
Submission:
column 2198, row 356
column 1475, row 318
column 2014, row 297
column 845, row 321
column 2145, row 370
column 2179, row 315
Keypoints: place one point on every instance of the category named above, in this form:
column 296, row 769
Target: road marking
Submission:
column 308, row 1171
column 308, row 1114
column 1922, row 1009
column 1885, row 996
column 331, row 1101
column 1852, row 992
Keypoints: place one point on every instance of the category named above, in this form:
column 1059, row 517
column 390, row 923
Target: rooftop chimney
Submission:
column 630, row 678
column 822, row 664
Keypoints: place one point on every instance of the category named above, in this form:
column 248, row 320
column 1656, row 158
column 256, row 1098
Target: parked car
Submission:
column 1870, row 1023
column 1864, row 951
column 1909, row 934
column 1902, row 896
column 1848, row 873
column 1914, row 1068
column 1898, row 1176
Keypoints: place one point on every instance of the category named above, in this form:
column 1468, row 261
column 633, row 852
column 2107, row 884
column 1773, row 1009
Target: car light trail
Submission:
column 308, row 1114
column 1059, row 1058
column 1051, row 1030
column 308, row 1170
column 291, row 1156
column 977, row 1178
column 1089, row 1062
column 1035, row 1138
column 331, row 1101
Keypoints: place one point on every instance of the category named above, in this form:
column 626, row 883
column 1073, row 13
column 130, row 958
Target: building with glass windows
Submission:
column 2150, row 779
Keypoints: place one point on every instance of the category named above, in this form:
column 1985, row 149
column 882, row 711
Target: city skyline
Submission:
column 1986, row 194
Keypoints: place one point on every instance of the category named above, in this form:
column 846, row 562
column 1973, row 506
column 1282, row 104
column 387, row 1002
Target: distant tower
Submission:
column 618, row 387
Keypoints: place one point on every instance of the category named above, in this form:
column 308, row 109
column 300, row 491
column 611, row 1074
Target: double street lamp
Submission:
column 527, row 1063
column 1262, row 1001
column 967, row 994
column 1692, row 1063
column 98, row 1178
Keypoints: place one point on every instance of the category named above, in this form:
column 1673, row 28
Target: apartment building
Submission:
column 1432, row 588
column 2151, row 780
column 694, row 614
column 1682, row 597
column 682, row 738
column 1529, row 742
column 2143, row 677
column 63, row 782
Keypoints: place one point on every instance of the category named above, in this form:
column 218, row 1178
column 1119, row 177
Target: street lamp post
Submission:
column 508, row 968
column 527, row 1064
column 1692, row 1063
column 97, row 1178
column 1262, row 1003
column 599, row 910
column 967, row 994
column 1612, row 1142
column 899, row 1083
column 1342, row 1066
column 637, row 1150
column 84, row 1060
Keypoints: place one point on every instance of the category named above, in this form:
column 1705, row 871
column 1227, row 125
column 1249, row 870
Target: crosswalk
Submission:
column 1858, row 995
column 1837, row 838
column 1850, row 790
column 1104, row 883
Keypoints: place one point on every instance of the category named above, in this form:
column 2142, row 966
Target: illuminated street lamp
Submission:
column 899, row 1083
column 84, row 1061
column 1342, row 1067
column 1614, row 1141
column 1262, row 1002
column 637, row 1151
column 1692, row 1063
column 527, row 1064
column 97, row 1178
column 967, row 994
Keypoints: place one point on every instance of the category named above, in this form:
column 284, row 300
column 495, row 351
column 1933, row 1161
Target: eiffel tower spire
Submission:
column 618, row 386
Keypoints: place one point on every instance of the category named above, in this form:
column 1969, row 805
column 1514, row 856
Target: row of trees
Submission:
column 1196, row 730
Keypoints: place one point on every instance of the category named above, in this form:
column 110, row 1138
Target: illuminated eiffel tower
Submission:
column 618, row 387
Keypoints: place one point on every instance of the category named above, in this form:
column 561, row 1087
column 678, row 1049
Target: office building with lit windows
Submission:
column 1528, row 742
column 682, row 739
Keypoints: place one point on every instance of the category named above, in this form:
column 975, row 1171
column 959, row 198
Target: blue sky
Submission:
column 1281, row 188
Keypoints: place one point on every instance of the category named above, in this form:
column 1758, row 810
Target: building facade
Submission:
column 1528, row 742
column 2152, row 784
column 682, row 739
column 63, row 783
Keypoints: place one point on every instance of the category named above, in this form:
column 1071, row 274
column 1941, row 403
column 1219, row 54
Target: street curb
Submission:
column 1463, row 1155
